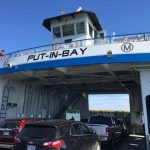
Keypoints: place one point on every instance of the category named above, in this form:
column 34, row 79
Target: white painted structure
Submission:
column 44, row 81
column 145, row 86
column 47, row 55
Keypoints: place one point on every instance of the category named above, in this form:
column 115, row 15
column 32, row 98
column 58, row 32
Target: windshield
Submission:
column 37, row 131
column 100, row 120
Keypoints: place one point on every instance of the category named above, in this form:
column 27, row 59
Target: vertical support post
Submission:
column 145, row 87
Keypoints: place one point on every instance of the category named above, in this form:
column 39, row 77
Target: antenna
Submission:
column 79, row 9
column 62, row 12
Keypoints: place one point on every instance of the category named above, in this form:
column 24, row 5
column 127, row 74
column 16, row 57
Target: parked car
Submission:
column 9, row 129
column 107, row 127
column 57, row 135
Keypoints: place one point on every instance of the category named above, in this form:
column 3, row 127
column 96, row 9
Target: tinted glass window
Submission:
column 84, row 129
column 37, row 131
column 56, row 32
column 95, row 34
column 72, row 131
column 63, row 129
column 80, row 27
column 100, row 120
column 77, row 129
column 90, row 30
column 68, row 29
column 9, row 125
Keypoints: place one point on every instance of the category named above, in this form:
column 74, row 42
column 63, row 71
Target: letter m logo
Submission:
column 127, row 47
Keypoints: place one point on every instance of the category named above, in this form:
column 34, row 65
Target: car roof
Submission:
column 9, row 121
column 2, row 123
column 103, row 115
column 55, row 122
column 19, row 119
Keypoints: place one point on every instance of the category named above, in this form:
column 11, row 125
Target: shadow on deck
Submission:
column 133, row 142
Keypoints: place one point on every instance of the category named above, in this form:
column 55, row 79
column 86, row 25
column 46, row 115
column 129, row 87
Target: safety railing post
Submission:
column 144, row 37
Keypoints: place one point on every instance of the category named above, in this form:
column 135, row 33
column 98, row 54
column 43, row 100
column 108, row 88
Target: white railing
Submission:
column 80, row 43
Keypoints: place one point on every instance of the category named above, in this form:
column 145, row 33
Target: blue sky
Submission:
column 21, row 20
column 119, row 102
column 21, row 25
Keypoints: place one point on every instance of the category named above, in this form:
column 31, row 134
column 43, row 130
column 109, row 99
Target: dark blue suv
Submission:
column 57, row 135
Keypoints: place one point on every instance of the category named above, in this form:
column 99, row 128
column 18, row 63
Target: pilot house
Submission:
column 75, row 26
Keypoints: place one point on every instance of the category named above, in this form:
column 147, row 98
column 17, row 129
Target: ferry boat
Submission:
column 47, row 80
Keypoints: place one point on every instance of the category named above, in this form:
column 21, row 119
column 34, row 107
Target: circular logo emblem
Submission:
column 127, row 47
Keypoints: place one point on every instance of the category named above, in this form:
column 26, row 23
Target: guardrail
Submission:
column 86, row 42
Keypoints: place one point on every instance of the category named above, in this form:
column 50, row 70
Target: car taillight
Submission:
column 17, row 140
column 54, row 144
column 22, row 124
column 107, row 131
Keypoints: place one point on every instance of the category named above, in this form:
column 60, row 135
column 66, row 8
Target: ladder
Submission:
column 5, row 98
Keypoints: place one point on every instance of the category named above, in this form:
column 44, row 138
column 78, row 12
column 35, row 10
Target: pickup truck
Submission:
column 108, row 128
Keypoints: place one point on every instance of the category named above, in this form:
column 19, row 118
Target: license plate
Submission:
column 5, row 133
column 31, row 147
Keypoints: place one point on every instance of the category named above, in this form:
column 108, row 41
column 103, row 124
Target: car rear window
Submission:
column 9, row 125
column 38, row 131
column 100, row 120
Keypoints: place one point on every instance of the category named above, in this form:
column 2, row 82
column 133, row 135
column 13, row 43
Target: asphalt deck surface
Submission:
column 133, row 142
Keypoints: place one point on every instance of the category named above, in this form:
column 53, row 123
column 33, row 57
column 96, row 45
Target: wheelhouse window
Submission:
column 56, row 32
column 90, row 30
column 80, row 27
column 68, row 29
column 95, row 34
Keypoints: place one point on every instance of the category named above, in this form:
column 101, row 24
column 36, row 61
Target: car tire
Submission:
column 98, row 146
